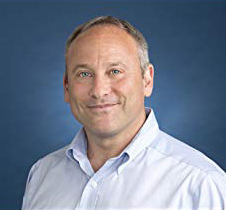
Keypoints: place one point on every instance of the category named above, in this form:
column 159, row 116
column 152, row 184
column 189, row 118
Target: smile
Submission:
column 102, row 107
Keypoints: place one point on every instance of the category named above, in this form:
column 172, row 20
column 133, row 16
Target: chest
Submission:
column 149, row 188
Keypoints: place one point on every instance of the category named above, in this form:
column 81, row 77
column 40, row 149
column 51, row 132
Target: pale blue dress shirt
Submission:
column 155, row 171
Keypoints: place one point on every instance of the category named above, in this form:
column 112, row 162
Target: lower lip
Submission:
column 103, row 108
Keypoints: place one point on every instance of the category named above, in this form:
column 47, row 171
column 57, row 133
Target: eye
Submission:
column 115, row 71
column 84, row 74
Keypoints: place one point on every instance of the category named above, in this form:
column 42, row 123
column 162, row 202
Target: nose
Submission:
column 101, row 87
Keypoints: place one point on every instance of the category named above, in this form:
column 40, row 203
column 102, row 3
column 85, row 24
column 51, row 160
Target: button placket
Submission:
column 89, row 195
column 93, row 184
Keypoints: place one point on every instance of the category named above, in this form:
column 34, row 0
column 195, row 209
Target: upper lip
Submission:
column 101, row 105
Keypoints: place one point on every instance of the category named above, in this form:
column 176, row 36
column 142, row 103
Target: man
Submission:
column 119, row 159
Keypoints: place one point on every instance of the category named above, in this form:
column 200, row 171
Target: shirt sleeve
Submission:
column 211, row 192
column 28, row 187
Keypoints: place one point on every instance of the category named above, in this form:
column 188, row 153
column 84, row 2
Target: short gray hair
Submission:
column 109, row 20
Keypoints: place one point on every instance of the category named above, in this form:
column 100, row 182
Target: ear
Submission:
column 65, row 84
column 148, row 79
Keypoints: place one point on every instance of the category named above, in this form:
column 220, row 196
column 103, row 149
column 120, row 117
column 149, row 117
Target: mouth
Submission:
column 102, row 107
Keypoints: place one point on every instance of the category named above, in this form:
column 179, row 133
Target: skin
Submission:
column 105, row 89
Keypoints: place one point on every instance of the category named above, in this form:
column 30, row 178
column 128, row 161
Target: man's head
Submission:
column 124, row 25
column 104, row 84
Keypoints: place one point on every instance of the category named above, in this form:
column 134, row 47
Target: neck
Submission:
column 100, row 149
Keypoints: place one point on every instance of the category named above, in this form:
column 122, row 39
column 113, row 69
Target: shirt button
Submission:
column 93, row 184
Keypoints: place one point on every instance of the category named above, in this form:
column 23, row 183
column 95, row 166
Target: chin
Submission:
column 103, row 131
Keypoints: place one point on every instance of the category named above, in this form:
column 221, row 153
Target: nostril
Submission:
column 100, row 88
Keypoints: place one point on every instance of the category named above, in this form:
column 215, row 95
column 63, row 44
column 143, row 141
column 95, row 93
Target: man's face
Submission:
column 105, row 87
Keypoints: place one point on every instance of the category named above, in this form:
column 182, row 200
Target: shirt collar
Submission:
column 77, row 150
column 78, row 147
column 143, row 138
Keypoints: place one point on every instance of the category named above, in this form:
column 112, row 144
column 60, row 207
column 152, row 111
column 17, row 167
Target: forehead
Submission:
column 106, row 31
column 106, row 40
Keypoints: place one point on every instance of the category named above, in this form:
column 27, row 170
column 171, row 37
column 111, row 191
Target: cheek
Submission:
column 132, row 88
column 78, row 92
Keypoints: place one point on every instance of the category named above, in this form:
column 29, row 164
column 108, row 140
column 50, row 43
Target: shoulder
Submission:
column 49, row 161
column 206, row 179
column 170, row 147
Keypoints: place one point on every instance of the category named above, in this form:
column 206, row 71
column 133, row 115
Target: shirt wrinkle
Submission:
column 180, row 161
column 159, row 172
column 139, row 142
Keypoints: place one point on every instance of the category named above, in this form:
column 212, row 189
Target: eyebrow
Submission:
column 81, row 66
column 86, row 66
column 116, row 64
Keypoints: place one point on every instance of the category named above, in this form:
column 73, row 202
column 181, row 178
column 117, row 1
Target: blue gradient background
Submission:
column 187, row 47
